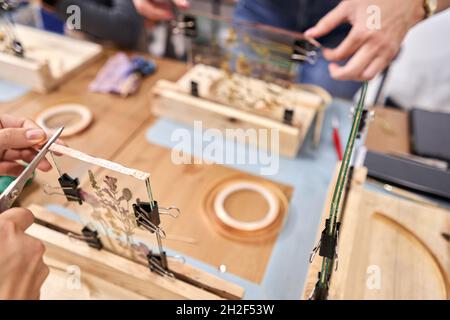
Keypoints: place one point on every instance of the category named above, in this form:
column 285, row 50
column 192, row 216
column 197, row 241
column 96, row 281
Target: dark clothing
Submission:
column 299, row 15
column 109, row 20
column 295, row 15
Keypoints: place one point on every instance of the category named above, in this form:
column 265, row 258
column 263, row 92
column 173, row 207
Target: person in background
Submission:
column 22, row 269
column 353, row 52
column 116, row 21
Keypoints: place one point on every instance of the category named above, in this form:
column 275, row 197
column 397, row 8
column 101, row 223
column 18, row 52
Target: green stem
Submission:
column 335, row 207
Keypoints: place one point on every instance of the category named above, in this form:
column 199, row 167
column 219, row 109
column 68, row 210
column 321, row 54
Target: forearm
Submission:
column 119, row 23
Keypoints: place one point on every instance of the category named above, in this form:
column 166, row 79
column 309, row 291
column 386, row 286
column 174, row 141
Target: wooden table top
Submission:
column 118, row 134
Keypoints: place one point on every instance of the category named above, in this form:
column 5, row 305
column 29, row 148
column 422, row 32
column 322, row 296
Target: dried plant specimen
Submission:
column 116, row 205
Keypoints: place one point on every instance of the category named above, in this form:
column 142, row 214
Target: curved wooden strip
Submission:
column 396, row 224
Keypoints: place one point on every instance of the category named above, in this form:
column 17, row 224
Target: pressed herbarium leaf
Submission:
column 119, row 219
column 92, row 180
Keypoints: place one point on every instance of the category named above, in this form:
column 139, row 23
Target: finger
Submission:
column 61, row 143
column 33, row 275
column 41, row 276
column 11, row 169
column 38, row 278
column 8, row 121
column 375, row 67
column 348, row 46
column 353, row 69
column 20, row 137
column 19, row 154
column 154, row 11
column 329, row 22
column 184, row 4
column 26, row 155
column 22, row 218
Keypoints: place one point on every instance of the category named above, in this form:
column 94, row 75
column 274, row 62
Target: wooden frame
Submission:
column 390, row 247
column 110, row 276
column 50, row 59
column 173, row 101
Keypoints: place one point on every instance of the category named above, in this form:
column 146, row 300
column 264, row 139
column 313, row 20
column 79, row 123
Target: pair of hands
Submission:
column 369, row 50
column 22, row 269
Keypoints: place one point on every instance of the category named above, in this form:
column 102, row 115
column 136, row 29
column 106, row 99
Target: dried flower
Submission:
column 126, row 195
column 92, row 180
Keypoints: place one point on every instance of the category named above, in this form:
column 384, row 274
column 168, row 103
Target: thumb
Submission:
column 329, row 22
column 19, row 138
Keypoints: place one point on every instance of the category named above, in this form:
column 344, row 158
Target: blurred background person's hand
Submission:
column 158, row 10
column 370, row 50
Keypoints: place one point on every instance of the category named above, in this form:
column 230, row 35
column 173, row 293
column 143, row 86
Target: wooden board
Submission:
column 187, row 187
column 187, row 109
column 49, row 59
column 105, row 275
column 389, row 248
column 389, row 131
column 174, row 100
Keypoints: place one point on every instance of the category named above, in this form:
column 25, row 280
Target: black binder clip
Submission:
column 194, row 89
column 186, row 25
column 320, row 291
column 147, row 215
column 304, row 51
column 367, row 116
column 327, row 246
column 7, row 5
column 288, row 116
column 158, row 263
column 70, row 188
column 328, row 243
column 92, row 238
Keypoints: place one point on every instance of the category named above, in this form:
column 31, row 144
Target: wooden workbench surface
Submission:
column 118, row 134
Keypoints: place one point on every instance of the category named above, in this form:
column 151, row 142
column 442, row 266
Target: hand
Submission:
column 371, row 50
column 158, row 10
column 18, row 138
column 22, row 269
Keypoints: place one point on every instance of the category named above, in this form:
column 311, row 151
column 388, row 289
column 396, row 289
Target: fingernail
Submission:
column 35, row 135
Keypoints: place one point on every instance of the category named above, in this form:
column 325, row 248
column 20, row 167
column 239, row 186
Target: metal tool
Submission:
column 6, row 9
column 10, row 195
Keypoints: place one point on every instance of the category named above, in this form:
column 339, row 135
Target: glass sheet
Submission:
column 107, row 203
column 254, row 50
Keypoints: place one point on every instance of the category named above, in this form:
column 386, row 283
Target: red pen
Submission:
column 336, row 137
